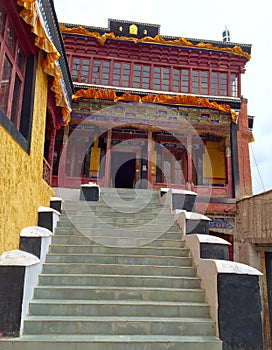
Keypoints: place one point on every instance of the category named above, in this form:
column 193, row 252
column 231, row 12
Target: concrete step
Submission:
column 91, row 218
column 131, row 226
column 119, row 259
column 87, row 212
column 118, row 293
column 119, row 280
column 80, row 240
column 112, row 342
column 118, row 231
column 99, row 249
column 49, row 307
column 84, row 268
column 118, row 325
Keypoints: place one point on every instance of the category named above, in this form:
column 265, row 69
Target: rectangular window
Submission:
column 105, row 72
column 12, row 71
column 141, row 76
column 204, row 82
column 215, row 78
column 223, row 84
column 80, row 69
column 176, row 80
column 84, row 78
column 200, row 82
column 161, row 78
column 185, row 80
column 101, row 72
column 234, row 85
column 195, row 82
column 17, row 80
column 96, row 72
column 75, row 69
column 121, row 74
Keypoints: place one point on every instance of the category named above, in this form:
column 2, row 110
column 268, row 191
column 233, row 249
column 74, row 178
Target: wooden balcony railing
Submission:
column 46, row 171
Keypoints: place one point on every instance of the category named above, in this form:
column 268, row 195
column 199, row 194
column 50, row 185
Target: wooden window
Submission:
column 185, row 80
column 176, row 80
column 12, row 71
column 141, row 76
column 223, row 84
column 215, row 80
column 219, row 84
column 200, row 82
column 121, row 74
column 161, row 78
column 75, row 69
column 234, row 85
column 101, row 72
column 80, row 69
column 17, row 78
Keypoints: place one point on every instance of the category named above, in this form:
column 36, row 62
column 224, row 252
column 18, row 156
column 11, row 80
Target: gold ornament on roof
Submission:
column 133, row 29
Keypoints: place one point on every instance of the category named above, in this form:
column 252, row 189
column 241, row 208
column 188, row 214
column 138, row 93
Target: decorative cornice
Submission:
column 157, row 40
column 178, row 100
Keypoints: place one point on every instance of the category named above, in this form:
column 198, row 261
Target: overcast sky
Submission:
column 248, row 22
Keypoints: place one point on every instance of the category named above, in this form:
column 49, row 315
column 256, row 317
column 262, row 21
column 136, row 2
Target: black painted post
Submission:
column 48, row 218
column 239, row 311
column 89, row 192
column 56, row 203
column 14, row 267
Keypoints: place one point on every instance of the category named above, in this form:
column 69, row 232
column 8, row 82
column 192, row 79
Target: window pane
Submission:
column 2, row 20
column 20, row 58
column 11, row 39
column 106, row 64
column 5, row 84
column 16, row 100
column 146, row 68
column 126, row 66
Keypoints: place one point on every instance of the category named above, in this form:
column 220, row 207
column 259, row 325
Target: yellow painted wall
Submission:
column 214, row 163
column 22, row 189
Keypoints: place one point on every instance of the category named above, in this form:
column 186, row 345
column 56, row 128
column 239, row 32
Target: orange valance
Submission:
column 180, row 100
column 158, row 39
column 30, row 14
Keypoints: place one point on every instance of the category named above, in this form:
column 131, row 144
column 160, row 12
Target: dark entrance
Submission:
column 123, row 166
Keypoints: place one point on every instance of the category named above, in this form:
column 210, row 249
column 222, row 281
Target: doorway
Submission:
column 123, row 168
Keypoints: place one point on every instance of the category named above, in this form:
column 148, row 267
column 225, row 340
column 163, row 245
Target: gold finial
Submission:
column 133, row 29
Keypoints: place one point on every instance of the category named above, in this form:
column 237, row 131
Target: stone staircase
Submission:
column 117, row 276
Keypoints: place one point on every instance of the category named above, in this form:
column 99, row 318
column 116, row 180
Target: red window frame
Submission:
column 121, row 74
column 161, row 78
column 12, row 69
column 141, row 76
column 81, row 69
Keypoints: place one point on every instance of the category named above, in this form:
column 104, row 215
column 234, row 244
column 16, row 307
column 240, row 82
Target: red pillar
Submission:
column 190, row 161
column 243, row 152
column 149, row 158
column 108, row 158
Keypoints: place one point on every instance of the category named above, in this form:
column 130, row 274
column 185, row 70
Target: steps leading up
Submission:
column 117, row 276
